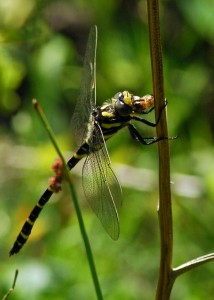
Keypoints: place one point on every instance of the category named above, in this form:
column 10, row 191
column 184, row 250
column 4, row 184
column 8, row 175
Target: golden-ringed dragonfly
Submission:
column 94, row 125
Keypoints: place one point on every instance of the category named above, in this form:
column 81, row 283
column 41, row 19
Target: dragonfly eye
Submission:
column 122, row 108
column 120, row 97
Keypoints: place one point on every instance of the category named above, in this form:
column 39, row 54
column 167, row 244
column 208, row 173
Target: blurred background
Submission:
column 42, row 45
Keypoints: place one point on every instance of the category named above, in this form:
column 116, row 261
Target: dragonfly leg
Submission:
column 137, row 136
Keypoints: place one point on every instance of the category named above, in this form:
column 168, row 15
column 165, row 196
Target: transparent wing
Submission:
column 87, row 98
column 101, row 186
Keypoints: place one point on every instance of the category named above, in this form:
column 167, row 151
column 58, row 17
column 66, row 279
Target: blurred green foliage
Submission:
column 41, row 50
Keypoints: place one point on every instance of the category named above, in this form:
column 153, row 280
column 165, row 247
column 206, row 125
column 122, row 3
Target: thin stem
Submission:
column 193, row 264
column 48, row 129
column 165, row 280
column 75, row 201
column 13, row 286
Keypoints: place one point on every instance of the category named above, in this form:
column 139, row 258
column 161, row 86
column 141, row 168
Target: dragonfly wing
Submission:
column 87, row 98
column 101, row 186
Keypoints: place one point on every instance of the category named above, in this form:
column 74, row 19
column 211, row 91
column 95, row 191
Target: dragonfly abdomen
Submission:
column 28, row 225
column 81, row 153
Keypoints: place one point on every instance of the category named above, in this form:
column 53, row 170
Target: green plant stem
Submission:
column 13, row 286
column 75, row 201
column 165, row 280
column 86, row 241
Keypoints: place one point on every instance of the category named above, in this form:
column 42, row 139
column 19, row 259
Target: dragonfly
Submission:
column 94, row 125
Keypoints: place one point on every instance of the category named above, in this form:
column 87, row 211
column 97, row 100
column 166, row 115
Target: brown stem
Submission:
column 192, row 264
column 165, row 280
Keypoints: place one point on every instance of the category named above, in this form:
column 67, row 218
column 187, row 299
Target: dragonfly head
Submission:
column 126, row 103
column 123, row 103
